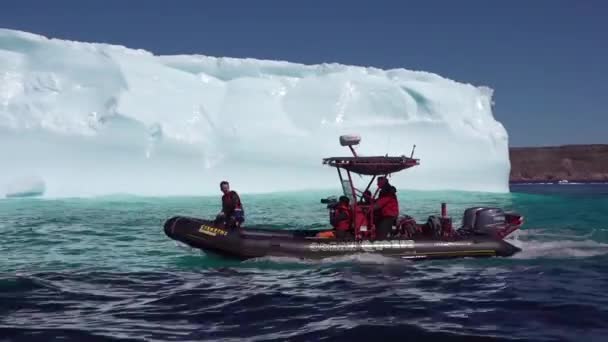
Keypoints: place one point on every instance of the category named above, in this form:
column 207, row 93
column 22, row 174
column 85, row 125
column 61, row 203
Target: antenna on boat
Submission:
column 413, row 148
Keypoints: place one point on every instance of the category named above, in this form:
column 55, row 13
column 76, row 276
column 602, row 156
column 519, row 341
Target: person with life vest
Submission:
column 232, row 213
column 386, row 208
column 341, row 220
column 366, row 199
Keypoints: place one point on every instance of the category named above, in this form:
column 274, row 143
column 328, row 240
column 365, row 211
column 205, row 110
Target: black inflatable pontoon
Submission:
column 480, row 235
column 254, row 243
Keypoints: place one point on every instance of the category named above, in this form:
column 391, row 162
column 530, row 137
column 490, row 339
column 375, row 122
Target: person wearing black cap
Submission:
column 232, row 213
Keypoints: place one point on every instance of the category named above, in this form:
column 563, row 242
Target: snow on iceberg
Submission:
column 97, row 119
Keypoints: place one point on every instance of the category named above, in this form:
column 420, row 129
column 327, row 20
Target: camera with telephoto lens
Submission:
column 331, row 201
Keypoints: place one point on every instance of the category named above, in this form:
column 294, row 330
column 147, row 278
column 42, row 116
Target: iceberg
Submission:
column 95, row 119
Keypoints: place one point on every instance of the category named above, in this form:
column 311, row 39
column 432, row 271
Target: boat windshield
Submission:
column 347, row 190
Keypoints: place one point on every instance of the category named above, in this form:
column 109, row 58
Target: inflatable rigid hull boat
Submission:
column 480, row 235
column 255, row 243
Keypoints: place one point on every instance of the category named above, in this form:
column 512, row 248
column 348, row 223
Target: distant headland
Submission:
column 567, row 163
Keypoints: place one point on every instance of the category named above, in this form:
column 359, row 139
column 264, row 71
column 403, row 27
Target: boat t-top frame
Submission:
column 374, row 166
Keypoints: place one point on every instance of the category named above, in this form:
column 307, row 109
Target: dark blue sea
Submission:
column 101, row 269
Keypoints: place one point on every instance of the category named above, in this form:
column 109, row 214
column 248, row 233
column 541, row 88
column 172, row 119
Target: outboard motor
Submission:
column 484, row 221
column 469, row 218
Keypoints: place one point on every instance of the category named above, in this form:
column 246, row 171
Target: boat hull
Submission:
column 255, row 243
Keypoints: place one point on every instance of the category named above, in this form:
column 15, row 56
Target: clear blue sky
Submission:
column 546, row 59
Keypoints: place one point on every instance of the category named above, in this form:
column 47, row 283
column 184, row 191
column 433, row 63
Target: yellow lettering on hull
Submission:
column 212, row 231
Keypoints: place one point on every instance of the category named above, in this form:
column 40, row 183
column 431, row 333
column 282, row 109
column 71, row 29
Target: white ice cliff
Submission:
column 93, row 119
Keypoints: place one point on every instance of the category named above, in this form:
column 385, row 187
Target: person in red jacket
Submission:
column 386, row 208
column 232, row 213
column 366, row 199
column 341, row 220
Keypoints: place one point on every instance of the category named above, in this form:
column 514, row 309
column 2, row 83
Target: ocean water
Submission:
column 101, row 269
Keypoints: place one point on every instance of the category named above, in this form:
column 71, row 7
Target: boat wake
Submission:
column 536, row 243
column 361, row 258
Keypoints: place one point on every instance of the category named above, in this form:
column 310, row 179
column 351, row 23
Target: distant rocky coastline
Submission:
column 571, row 163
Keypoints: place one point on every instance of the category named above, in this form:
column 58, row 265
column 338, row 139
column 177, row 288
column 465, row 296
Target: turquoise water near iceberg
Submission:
column 101, row 268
